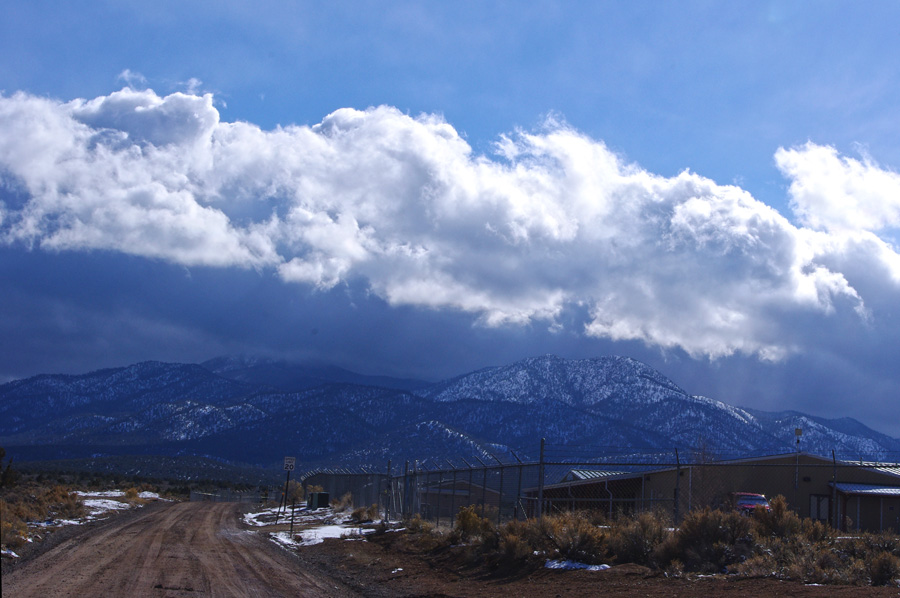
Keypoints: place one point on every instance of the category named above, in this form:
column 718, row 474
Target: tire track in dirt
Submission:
column 186, row 549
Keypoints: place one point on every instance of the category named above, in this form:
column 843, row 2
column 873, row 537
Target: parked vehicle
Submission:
column 746, row 502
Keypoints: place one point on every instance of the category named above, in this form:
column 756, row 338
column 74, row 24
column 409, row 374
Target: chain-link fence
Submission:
column 365, row 488
column 850, row 495
column 252, row 496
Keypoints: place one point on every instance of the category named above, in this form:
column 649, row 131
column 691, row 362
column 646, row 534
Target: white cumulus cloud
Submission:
column 553, row 221
column 833, row 192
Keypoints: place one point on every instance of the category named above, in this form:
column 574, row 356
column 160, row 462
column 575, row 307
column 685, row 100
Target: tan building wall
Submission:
column 804, row 480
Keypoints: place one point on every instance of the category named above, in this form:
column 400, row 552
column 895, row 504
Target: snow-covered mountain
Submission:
column 229, row 409
column 290, row 376
column 575, row 382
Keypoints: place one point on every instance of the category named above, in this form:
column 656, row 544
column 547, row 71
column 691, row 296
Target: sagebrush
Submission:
column 775, row 543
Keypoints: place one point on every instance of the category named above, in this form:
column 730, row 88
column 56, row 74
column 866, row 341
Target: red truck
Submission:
column 746, row 502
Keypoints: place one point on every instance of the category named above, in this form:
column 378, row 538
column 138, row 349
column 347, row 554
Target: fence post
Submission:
column 452, row 496
column 483, row 483
column 500, row 499
column 834, row 510
column 415, row 503
column 518, row 493
column 440, row 490
column 404, row 508
column 388, row 495
column 293, row 503
column 677, row 484
column 541, row 483
column 470, row 482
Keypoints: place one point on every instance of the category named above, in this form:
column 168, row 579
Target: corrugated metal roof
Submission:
column 888, row 468
column 589, row 474
column 868, row 489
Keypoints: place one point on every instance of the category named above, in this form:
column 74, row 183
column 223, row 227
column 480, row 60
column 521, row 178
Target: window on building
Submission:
column 819, row 507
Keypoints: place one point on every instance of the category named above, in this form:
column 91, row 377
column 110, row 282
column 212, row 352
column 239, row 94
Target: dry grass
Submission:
column 638, row 539
column 364, row 514
column 34, row 502
column 883, row 569
column 707, row 541
column 775, row 544
column 780, row 522
column 417, row 525
column 343, row 503
column 133, row 496
column 471, row 526
column 568, row 535
column 13, row 531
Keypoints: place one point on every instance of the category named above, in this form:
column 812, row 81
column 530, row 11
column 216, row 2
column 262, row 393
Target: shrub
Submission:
column 855, row 573
column 56, row 494
column 883, row 569
column 780, row 522
column 708, row 541
column 343, row 503
column 636, row 539
column 674, row 569
column 572, row 536
column 132, row 496
column 883, row 542
column 359, row 515
column 294, row 492
column 513, row 544
column 811, row 563
column 13, row 531
column 469, row 525
column 364, row 514
column 817, row 532
column 761, row 565
column 417, row 525
column 9, row 476
column 72, row 507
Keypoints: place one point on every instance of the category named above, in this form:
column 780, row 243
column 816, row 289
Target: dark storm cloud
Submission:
column 138, row 226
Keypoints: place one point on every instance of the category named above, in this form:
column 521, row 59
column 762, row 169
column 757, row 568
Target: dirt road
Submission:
column 201, row 549
column 183, row 549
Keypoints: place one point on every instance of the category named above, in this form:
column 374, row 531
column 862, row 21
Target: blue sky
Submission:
column 427, row 188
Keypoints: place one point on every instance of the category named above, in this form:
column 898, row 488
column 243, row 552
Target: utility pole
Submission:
column 798, row 433
column 541, row 483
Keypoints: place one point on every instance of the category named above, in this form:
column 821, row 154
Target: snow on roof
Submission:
column 589, row 474
column 888, row 468
column 867, row 489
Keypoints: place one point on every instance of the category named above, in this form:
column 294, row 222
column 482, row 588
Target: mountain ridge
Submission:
column 196, row 409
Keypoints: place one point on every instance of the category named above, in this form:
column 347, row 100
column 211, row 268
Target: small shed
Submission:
column 317, row 500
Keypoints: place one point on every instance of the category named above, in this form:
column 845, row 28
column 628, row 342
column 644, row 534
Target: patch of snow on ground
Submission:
column 317, row 535
column 99, row 505
column 104, row 493
column 8, row 553
column 569, row 565
column 55, row 523
column 302, row 516
column 255, row 519
column 96, row 508
column 310, row 526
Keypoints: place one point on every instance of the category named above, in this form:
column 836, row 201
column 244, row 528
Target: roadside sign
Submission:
column 289, row 463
